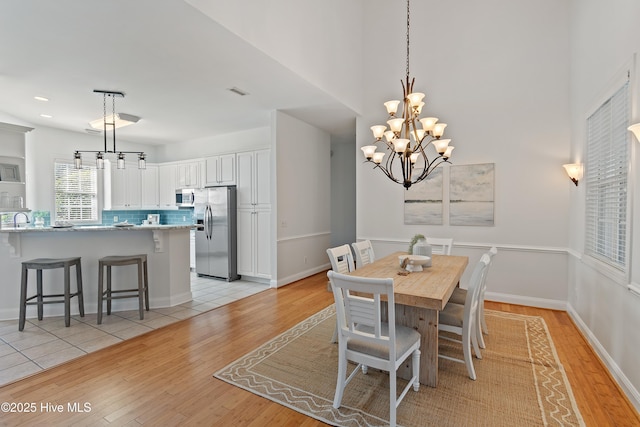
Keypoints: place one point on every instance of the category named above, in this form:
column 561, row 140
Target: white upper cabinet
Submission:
column 150, row 189
column 167, row 181
column 133, row 188
column 220, row 170
column 254, row 179
column 188, row 175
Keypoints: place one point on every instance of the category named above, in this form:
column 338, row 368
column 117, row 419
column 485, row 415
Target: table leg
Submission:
column 424, row 321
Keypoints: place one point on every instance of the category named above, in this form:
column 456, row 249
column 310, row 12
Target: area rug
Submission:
column 520, row 381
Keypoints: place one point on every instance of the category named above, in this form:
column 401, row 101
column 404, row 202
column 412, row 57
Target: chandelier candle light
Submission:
column 405, row 141
column 115, row 121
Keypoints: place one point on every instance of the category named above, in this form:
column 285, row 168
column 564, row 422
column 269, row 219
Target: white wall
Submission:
column 604, row 37
column 320, row 41
column 343, row 194
column 251, row 139
column 497, row 72
column 303, row 198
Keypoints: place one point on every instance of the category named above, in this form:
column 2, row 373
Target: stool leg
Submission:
column 23, row 298
column 108, row 289
column 146, row 285
column 100, row 291
column 79, row 288
column 140, row 291
column 67, row 295
column 39, row 286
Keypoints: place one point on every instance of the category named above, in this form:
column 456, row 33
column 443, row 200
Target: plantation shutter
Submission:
column 76, row 193
column 606, row 176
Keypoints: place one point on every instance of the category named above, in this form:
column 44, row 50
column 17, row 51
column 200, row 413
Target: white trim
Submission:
column 301, row 275
column 527, row 301
column 303, row 236
column 486, row 246
column 634, row 288
column 623, row 382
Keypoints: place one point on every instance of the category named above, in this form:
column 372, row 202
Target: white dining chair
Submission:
column 364, row 339
column 440, row 246
column 341, row 262
column 459, row 296
column 461, row 320
column 364, row 253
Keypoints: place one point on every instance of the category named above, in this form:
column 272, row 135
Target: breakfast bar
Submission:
column 166, row 247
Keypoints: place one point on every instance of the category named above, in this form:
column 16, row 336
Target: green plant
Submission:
column 414, row 240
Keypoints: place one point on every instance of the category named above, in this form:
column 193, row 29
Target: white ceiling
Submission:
column 174, row 64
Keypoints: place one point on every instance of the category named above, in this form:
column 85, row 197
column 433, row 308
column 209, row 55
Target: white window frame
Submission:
column 96, row 205
column 603, row 259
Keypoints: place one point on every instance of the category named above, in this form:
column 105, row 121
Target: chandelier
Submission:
column 405, row 141
column 114, row 121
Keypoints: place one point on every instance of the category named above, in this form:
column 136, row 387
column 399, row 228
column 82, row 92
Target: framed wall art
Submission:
column 423, row 202
column 471, row 194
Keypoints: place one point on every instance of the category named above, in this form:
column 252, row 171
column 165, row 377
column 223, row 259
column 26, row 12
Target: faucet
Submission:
column 15, row 217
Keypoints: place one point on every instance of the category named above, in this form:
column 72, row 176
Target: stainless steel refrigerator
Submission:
column 216, row 241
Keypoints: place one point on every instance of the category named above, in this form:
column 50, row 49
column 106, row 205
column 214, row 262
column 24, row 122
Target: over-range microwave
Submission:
column 185, row 197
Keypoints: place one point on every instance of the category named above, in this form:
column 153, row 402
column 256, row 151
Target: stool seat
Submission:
column 141, row 292
column 40, row 264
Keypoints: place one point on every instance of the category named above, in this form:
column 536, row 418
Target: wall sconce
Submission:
column 636, row 130
column 574, row 170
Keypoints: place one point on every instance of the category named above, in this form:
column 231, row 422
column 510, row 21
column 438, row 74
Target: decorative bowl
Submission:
column 414, row 262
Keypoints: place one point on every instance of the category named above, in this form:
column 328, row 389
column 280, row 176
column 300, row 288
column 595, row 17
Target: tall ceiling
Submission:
column 174, row 64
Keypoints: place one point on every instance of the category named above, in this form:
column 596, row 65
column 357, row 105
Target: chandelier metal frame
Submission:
column 142, row 164
column 403, row 130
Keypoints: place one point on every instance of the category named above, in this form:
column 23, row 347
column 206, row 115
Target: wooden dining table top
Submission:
column 430, row 288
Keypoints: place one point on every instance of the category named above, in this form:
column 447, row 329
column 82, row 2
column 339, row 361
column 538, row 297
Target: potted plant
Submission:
column 415, row 240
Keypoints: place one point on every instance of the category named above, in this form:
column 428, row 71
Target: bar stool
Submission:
column 40, row 264
column 142, row 291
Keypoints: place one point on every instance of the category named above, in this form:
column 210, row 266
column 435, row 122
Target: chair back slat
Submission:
column 341, row 259
column 440, row 246
column 364, row 253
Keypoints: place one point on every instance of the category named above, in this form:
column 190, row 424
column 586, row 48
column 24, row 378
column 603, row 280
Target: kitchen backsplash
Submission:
column 181, row 216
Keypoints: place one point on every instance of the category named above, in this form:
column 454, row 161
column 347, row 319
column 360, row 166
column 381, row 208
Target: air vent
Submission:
column 92, row 131
column 238, row 91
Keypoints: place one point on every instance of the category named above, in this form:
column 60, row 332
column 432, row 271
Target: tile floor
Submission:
column 47, row 343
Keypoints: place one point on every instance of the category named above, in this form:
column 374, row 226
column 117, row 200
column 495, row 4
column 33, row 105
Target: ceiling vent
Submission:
column 238, row 91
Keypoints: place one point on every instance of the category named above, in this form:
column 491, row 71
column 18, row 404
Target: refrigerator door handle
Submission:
column 210, row 231
column 206, row 222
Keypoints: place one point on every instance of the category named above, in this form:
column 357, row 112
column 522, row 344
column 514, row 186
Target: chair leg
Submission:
column 146, row 285
column 39, row 290
column 334, row 338
column 100, row 291
column 79, row 292
column 140, row 291
column 108, row 289
column 392, row 397
column 478, row 329
column 340, row 384
column 23, row 298
column 415, row 367
column 67, row 295
column 466, row 349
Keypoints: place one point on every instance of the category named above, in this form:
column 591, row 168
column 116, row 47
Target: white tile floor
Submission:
column 48, row 342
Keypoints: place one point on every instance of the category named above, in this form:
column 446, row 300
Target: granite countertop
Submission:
column 32, row 229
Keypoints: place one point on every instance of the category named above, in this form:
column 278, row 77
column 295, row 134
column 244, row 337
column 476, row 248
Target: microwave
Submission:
column 185, row 197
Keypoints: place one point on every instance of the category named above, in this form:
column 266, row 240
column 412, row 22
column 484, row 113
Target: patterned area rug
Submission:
column 520, row 379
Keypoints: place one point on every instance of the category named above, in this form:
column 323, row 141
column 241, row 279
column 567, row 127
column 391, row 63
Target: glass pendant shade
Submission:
column 77, row 160
column 400, row 145
column 415, row 98
column 392, row 107
column 414, row 157
column 441, row 145
column 636, row 130
column 142, row 161
column 378, row 131
column 120, row 163
column 438, row 129
column 395, row 124
column 447, row 153
column 99, row 160
column 420, row 134
column 368, row 151
column 428, row 122
column 389, row 135
column 377, row 158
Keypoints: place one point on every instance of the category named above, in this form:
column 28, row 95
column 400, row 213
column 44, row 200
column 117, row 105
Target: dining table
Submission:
column 419, row 297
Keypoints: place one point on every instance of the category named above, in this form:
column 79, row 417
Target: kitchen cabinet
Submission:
column 220, row 170
column 167, row 181
column 254, row 243
column 188, row 175
column 133, row 188
column 13, row 191
column 253, row 181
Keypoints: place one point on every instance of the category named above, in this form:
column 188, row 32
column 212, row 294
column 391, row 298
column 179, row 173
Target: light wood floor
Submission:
column 165, row 377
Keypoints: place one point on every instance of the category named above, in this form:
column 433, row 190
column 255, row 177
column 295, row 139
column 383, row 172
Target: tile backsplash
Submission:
column 180, row 216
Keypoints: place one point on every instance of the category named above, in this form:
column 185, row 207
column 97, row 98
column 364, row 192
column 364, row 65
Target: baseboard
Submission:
column 527, row 301
column 301, row 275
column 623, row 382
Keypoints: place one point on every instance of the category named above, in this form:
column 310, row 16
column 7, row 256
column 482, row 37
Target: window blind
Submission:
column 606, row 177
column 76, row 193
